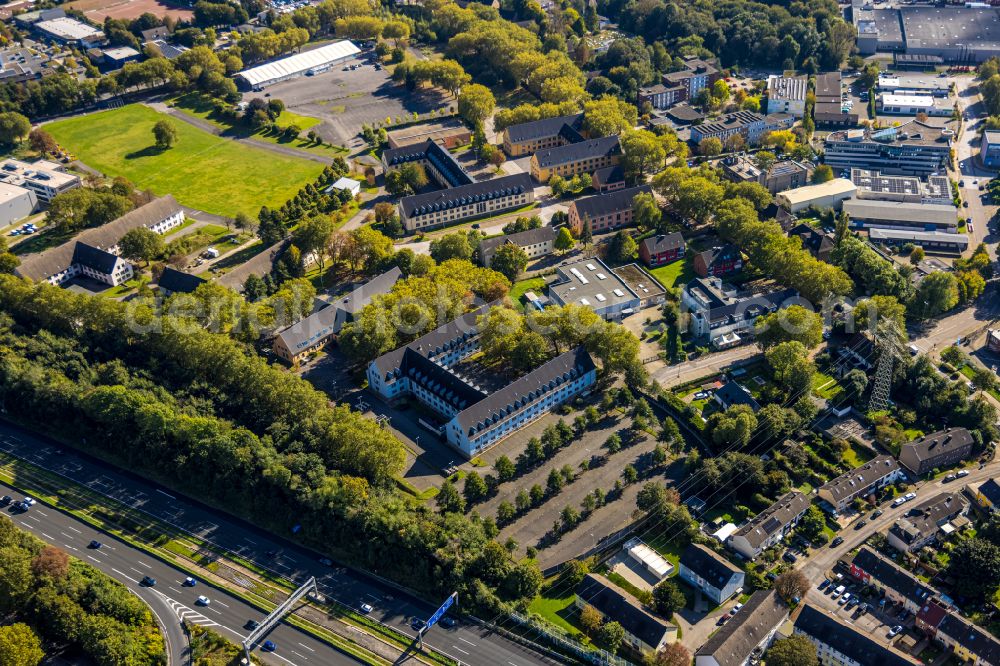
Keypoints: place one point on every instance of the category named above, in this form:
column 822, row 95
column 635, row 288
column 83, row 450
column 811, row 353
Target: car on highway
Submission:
column 27, row 501
column 326, row 561
column 190, row 582
column 203, row 600
column 251, row 625
column 5, row 500
column 268, row 646
column 366, row 608
column 447, row 622
column 95, row 544
column 417, row 624
column 895, row 631
column 148, row 581
column 836, row 542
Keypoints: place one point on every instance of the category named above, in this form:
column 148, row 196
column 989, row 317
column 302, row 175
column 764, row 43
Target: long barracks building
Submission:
column 474, row 420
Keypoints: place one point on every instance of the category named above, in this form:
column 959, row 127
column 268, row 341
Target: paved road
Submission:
column 471, row 644
column 169, row 600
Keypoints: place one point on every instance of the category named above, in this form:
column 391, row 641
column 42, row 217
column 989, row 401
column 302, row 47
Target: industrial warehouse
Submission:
column 315, row 61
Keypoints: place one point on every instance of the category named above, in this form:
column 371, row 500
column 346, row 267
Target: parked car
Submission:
column 789, row 556
column 895, row 631
column 963, row 473
column 910, row 496
column 844, row 598
column 722, row 620
column 876, row 513
column 824, row 584
column 837, row 591
column 950, row 477
column 836, row 541
column 861, row 523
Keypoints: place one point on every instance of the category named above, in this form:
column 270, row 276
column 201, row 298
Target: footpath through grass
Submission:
column 201, row 170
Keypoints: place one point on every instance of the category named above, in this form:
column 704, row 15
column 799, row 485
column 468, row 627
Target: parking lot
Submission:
column 346, row 99
column 865, row 609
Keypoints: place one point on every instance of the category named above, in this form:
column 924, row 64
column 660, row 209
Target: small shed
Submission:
column 349, row 184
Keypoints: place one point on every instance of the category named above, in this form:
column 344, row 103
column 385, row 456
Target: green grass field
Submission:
column 673, row 274
column 557, row 610
column 201, row 170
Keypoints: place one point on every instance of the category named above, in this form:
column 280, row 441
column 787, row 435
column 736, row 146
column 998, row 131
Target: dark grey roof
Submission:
column 94, row 258
column 521, row 239
column 774, row 518
column 752, row 307
column 462, row 195
column 608, row 175
column 439, row 381
column 893, row 577
column 55, row 260
column 734, row 643
column 979, row 642
column 168, row 51
column 176, row 281
column 990, row 490
column 730, row 121
column 329, row 320
column 151, row 35
column 708, row 564
column 939, row 443
column 440, row 339
column 862, row 477
column 546, row 127
column 444, row 162
column 860, row 648
column 924, row 520
column 719, row 253
column 664, row 242
column 812, row 239
column 575, row 152
column 609, row 202
column 731, row 394
column 621, row 608
column 685, row 113
column 563, row 368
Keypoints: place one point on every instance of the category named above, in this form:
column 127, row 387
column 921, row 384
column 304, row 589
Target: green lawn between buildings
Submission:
column 673, row 274
column 201, row 170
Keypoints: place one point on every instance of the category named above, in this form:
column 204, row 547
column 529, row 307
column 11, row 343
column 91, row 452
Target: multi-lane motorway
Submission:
column 169, row 599
column 468, row 643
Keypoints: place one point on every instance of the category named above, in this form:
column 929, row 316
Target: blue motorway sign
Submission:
column 448, row 603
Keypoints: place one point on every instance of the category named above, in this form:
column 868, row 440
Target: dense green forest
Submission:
column 208, row 417
column 50, row 600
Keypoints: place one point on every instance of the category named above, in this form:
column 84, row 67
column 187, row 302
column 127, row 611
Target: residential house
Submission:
column 898, row 585
column 310, row 334
column 770, row 526
column 819, row 243
column 731, row 394
column 787, row 94
column 46, row 179
column 940, row 449
column 743, row 640
column 968, row 643
column 830, row 194
column 571, row 159
column 530, row 137
column 609, row 179
column 644, row 632
column 921, row 525
column 705, row 570
column 724, row 318
column 605, row 212
column 662, row 249
column 62, row 263
column 535, row 243
column 841, row 644
column 861, row 482
column 986, row 495
column 718, row 261
column 173, row 281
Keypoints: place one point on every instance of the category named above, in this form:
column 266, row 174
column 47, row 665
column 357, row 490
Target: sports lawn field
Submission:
column 201, row 170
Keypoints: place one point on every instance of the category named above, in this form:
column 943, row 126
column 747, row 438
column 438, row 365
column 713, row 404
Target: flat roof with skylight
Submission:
column 591, row 283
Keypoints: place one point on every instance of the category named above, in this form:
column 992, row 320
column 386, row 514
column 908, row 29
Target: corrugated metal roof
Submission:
column 300, row 62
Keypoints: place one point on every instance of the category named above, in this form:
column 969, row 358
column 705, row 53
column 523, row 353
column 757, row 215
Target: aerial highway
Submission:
column 465, row 642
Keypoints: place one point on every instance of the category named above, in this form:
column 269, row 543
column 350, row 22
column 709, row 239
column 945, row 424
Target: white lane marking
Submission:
column 300, row 655
column 74, row 529
column 465, row 641
column 143, row 564
column 68, row 536
column 460, row 649
column 125, row 576
column 135, row 570
column 222, row 604
column 217, row 612
column 284, row 659
column 50, row 538
column 307, row 647
column 175, row 589
column 94, row 559
column 71, row 548
column 33, row 518
column 511, row 663
column 167, row 494
column 372, row 596
column 249, row 540
column 41, row 512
